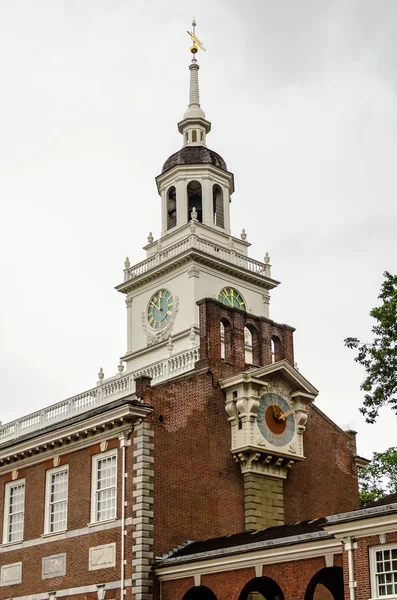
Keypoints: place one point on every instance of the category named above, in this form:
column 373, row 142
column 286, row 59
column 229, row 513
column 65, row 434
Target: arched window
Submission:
column 201, row 592
column 194, row 135
column 226, row 340
column 261, row 588
column 217, row 202
column 171, row 207
column 326, row 583
column 276, row 348
column 251, row 338
column 194, row 200
column 202, row 136
column 186, row 137
column 248, row 345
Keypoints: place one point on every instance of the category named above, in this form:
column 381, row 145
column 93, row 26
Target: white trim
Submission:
column 94, row 484
column 264, row 556
column 368, row 525
column 47, row 502
column 64, row 535
column 372, row 569
column 84, row 589
column 6, row 513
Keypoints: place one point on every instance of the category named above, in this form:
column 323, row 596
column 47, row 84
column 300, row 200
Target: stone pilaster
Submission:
column 263, row 501
column 142, row 543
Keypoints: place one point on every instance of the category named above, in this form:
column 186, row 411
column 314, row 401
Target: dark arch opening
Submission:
column 251, row 339
column 171, row 207
column 226, row 340
column 194, row 135
column 331, row 578
column 264, row 586
column 194, row 200
column 276, row 348
column 217, row 202
column 200, row 592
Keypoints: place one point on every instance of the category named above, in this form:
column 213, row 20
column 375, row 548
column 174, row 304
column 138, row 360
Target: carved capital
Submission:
column 128, row 302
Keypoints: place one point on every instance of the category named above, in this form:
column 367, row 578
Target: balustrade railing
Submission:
column 109, row 390
column 193, row 241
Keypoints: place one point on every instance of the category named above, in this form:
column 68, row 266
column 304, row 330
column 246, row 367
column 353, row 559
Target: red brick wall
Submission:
column 79, row 501
column 361, row 564
column 326, row 482
column 212, row 313
column 198, row 485
column 292, row 577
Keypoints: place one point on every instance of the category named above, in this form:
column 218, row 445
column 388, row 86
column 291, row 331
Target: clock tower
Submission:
column 196, row 256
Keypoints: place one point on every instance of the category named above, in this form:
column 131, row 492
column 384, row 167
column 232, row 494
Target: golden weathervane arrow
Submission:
column 196, row 42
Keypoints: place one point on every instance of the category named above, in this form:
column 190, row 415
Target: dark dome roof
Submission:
column 194, row 155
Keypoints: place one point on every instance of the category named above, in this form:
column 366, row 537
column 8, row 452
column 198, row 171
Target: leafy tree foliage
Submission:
column 379, row 478
column 379, row 358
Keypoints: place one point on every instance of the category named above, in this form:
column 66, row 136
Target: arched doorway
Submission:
column 261, row 588
column 326, row 584
column 200, row 592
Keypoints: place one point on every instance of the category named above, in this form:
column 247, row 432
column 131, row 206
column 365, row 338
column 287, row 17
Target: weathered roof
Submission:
column 194, row 155
column 270, row 534
column 390, row 499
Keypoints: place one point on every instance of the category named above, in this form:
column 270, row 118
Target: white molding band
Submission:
column 54, row 537
column 84, row 589
column 266, row 556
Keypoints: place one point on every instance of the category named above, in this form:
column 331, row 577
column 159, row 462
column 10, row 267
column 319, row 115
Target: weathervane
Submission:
column 196, row 42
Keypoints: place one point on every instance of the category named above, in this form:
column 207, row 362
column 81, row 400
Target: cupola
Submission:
column 195, row 177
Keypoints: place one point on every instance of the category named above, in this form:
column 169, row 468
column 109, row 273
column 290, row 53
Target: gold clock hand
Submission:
column 286, row 414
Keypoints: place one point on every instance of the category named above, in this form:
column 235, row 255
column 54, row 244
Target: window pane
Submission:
column 58, row 501
column 386, row 572
column 106, row 488
column 16, row 512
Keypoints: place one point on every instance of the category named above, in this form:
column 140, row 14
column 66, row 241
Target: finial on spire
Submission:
column 196, row 42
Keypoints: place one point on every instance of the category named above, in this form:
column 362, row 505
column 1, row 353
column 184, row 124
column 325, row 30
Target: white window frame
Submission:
column 94, row 485
column 6, row 518
column 372, row 567
column 47, row 503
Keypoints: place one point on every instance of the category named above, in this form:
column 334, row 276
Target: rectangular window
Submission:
column 384, row 572
column 56, row 508
column 104, row 482
column 14, row 511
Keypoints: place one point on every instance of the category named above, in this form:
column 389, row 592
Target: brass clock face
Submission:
column 276, row 419
column 232, row 298
column 160, row 309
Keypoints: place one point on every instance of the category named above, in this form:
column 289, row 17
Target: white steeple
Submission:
column 194, row 125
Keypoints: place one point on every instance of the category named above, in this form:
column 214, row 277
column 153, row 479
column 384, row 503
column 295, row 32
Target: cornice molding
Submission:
column 68, row 435
column 243, row 558
column 193, row 254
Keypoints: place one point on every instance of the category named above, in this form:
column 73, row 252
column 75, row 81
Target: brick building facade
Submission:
column 202, row 469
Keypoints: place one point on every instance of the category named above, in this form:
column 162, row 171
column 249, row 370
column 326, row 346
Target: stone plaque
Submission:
column 11, row 574
column 102, row 557
column 53, row 566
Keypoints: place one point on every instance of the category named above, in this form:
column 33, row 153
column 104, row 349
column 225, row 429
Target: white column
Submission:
column 226, row 208
column 181, row 202
column 163, row 211
column 207, row 202
column 128, row 302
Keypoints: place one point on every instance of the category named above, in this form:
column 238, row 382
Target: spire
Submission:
column 194, row 125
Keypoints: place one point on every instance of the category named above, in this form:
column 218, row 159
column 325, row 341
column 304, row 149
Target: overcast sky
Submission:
column 302, row 100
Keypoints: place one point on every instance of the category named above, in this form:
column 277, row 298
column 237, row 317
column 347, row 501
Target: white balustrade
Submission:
column 110, row 390
column 193, row 241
